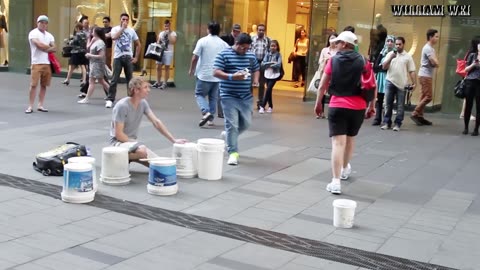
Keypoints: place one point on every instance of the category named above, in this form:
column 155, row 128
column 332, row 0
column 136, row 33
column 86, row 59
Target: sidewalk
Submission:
column 417, row 192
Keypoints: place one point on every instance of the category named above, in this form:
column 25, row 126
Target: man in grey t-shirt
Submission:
column 126, row 118
column 428, row 63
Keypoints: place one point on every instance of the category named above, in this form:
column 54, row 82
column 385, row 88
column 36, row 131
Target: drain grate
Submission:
column 327, row 251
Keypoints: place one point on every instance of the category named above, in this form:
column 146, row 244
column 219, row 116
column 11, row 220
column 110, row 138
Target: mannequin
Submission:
column 254, row 30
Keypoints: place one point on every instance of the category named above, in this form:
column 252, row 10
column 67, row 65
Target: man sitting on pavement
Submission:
column 126, row 118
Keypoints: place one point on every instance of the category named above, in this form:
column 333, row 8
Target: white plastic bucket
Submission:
column 343, row 213
column 186, row 157
column 77, row 183
column 88, row 160
column 115, row 166
column 162, row 177
column 210, row 158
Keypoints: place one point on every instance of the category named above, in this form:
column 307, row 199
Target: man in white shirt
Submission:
column 41, row 43
column 201, row 65
column 168, row 38
column 122, row 55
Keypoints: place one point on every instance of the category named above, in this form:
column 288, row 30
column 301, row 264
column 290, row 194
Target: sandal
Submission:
column 41, row 109
column 28, row 110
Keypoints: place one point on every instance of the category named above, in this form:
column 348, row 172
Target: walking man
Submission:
column 347, row 106
column 201, row 65
column 122, row 55
column 230, row 38
column 399, row 65
column 41, row 43
column 428, row 63
column 168, row 38
column 235, row 67
column 107, row 29
column 260, row 47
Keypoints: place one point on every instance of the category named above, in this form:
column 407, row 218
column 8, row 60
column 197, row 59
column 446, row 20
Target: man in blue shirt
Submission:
column 235, row 67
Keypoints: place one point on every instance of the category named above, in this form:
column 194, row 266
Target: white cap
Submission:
column 42, row 18
column 346, row 36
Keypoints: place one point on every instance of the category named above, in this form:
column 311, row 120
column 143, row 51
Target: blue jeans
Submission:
column 391, row 92
column 124, row 62
column 238, row 117
column 204, row 89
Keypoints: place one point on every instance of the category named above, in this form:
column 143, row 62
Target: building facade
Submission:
column 283, row 20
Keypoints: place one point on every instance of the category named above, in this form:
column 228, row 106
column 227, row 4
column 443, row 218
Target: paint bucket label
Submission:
column 162, row 176
column 78, row 181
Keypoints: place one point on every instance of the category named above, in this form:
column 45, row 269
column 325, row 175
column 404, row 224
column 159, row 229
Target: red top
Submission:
column 349, row 102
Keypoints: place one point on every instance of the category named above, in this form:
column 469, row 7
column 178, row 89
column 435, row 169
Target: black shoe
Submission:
column 82, row 95
column 465, row 131
column 425, row 122
column 475, row 133
column 376, row 123
column 417, row 120
column 206, row 117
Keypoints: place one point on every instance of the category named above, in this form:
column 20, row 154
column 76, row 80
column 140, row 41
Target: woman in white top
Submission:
column 300, row 63
column 328, row 52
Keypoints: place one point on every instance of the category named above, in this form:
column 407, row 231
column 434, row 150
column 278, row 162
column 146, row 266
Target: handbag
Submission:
column 291, row 57
column 271, row 74
column 155, row 51
column 368, row 83
column 461, row 65
column 313, row 86
column 54, row 63
column 459, row 89
column 67, row 51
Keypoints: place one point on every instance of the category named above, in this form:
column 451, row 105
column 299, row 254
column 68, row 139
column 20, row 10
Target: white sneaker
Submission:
column 233, row 159
column 345, row 174
column 261, row 110
column 108, row 104
column 223, row 135
column 83, row 101
column 334, row 188
column 269, row 110
column 396, row 128
column 210, row 123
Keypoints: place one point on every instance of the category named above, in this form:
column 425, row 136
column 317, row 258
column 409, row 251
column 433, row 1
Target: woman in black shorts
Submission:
column 78, row 59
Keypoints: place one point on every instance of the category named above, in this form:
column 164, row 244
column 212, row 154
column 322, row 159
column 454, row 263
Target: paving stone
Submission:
column 12, row 193
column 264, row 187
column 235, row 265
column 144, row 237
column 264, row 151
column 73, row 212
column 306, row 229
column 108, row 249
column 210, row 266
column 64, row 260
column 258, row 256
column 260, row 218
column 6, row 264
column 125, row 219
column 289, row 207
column 348, row 241
column 302, row 171
column 318, row 263
column 30, row 266
column 420, row 250
column 18, row 253
column 94, row 255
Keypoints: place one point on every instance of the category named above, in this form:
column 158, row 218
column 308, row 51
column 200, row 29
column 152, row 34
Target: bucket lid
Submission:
column 208, row 141
column 344, row 203
column 90, row 160
column 185, row 145
column 168, row 161
column 77, row 167
column 113, row 149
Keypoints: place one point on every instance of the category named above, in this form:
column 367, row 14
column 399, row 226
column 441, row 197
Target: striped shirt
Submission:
column 230, row 62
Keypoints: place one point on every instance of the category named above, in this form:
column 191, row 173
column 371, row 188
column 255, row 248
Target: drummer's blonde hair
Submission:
column 135, row 83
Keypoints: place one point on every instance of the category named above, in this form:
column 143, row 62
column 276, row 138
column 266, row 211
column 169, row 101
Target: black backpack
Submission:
column 51, row 162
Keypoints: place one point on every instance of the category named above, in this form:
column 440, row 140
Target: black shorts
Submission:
column 78, row 59
column 343, row 121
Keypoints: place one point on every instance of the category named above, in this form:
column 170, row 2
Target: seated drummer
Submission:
column 126, row 118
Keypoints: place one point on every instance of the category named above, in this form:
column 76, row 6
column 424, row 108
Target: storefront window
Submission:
column 247, row 13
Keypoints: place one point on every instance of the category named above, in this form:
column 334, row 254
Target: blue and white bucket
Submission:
column 162, row 177
column 77, row 183
column 91, row 161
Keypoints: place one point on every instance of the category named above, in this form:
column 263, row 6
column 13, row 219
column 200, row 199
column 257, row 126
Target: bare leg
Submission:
column 348, row 151
column 159, row 72
column 33, row 93
column 167, row 73
column 91, row 87
column 70, row 72
column 84, row 73
column 41, row 96
column 338, row 154
column 103, row 83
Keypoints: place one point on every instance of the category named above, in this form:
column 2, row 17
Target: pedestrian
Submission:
column 428, row 63
column 236, row 67
column 472, row 83
column 272, row 66
column 328, row 52
column 400, row 66
column 96, row 55
column 127, row 117
column 381, row 78
column 260, row 47
column 300, row 63
column 346, row 112
column 41, row 43
column 106, row 30
column 78, row 59
column 122, row 55
column 201, row 66
column 167, row 38
column 230, row 38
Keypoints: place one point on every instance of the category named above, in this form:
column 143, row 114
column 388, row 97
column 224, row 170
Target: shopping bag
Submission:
column 54, row 64
column 155, row 51
column 314, row 83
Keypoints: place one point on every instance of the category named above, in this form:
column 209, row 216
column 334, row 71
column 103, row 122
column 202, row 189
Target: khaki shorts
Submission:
column 133, row 146
column 42, row 72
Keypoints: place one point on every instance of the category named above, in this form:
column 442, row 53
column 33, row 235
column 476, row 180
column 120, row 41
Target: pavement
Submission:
column 417, row 192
